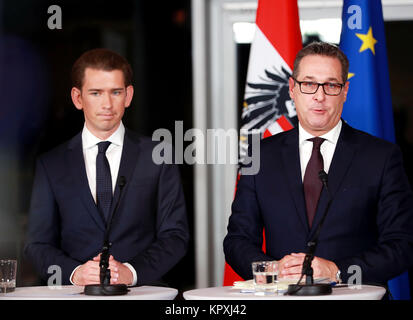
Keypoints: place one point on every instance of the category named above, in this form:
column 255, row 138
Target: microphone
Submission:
column 105, row 288
column 310, row 288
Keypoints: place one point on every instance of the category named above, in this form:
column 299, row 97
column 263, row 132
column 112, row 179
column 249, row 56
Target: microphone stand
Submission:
column 105, row 288
column 310, row 288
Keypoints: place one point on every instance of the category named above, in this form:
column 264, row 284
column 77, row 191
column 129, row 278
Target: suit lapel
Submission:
column 128, row 163
column 291, row 160
column 76, row 163
column 343, row 156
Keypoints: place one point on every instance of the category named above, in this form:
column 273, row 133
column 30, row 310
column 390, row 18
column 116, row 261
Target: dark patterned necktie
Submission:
column 312, row 183
column 103, row 180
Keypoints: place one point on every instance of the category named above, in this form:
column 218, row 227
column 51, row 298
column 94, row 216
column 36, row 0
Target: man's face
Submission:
column 318, row 113
column 103, row 99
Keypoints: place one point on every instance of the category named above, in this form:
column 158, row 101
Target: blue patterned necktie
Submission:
column 103, row 180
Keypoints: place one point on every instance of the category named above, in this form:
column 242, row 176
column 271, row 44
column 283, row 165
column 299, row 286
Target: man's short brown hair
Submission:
column 322, row 49
column 100, row 59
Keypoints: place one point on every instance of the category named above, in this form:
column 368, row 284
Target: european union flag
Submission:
column 368, row 106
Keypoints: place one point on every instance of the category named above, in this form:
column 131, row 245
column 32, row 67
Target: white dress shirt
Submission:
column 327, row 147
column 113, row 154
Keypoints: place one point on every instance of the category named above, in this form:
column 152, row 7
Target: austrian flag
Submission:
column 268, row 106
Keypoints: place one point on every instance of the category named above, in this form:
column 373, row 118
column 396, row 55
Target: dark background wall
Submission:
column 36, row 112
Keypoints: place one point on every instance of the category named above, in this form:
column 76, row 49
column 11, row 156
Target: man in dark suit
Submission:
column 370, row 221
column 76, row 189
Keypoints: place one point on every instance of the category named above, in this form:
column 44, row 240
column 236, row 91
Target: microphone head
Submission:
column 323, row 176
column 121, row 181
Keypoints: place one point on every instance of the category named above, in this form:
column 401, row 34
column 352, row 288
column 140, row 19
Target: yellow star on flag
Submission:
column 350, row 75
column 368, row 41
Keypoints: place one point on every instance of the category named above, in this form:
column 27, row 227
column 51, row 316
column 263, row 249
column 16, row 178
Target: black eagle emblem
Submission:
column 266, row 102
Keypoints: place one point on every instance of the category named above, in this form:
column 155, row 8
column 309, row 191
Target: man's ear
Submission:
column 346, row 90
column 129, row 95
column 291, row 84
column 77, row 98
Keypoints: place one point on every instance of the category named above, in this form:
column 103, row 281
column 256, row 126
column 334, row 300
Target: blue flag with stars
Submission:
column 369, row 106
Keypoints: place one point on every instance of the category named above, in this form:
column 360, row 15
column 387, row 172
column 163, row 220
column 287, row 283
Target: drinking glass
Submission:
column 265, row 277
column 8, row 270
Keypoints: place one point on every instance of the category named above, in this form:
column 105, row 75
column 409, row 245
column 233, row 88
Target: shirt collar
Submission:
column 89, row 140
column 331, row 136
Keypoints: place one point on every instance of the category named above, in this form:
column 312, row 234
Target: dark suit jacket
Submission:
column 369, row 224
column 149, row 229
